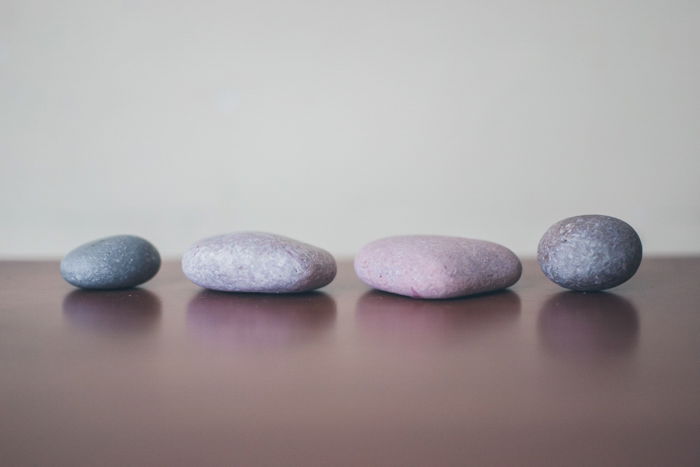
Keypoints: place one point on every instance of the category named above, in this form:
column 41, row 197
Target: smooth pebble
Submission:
column 258, row 262
column 590, row 252
column 116, row 262
column 433, row 266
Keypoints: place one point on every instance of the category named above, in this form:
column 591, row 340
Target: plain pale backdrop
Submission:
column 338, row 122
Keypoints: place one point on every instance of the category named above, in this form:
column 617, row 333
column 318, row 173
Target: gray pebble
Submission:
column 590, row 252
column 257, row 262
column 116, row 262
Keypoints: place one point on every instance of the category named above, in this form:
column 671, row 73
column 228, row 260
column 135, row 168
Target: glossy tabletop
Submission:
column 171, row 375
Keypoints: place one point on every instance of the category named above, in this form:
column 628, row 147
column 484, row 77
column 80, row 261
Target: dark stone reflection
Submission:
column 386, row 317
column 259, row 320
column 130, row 311
column 588, row 325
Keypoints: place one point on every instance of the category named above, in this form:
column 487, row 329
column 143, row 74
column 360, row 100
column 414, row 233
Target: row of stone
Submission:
column 586, row 253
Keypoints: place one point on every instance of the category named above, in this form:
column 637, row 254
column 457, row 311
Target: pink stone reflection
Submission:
column 392, row 319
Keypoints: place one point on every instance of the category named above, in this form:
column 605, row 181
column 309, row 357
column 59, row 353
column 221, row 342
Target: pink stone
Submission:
column 433, row 266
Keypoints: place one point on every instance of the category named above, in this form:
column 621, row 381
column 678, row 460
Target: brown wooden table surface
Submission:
column 170, row 375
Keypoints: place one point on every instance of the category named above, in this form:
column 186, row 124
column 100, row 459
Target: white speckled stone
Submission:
column 257, row 262
column 432, row 266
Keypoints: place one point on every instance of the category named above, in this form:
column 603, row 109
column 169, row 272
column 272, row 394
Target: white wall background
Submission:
column 337, row 122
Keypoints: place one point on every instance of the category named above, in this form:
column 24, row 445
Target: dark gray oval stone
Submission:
column 114, row 262
column 591, row 252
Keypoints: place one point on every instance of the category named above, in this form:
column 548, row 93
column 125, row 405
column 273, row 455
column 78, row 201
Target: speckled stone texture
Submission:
column 257, row 262
column 432, row 266
column 589, row 253
column 116, row 262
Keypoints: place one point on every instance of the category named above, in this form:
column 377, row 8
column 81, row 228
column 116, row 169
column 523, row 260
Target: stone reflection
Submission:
column 385, row 317
column 588, row 325
column 130, row 311
column 259, row 321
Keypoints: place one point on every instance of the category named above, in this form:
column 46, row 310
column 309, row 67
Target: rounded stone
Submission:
column 258, row 262
column 434, row 266
column 590, row 253
column 116, row 262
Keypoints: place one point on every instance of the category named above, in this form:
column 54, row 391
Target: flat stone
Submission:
column 116, row 262
column 433, row 266
column 257, row 262
column 589, row 253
